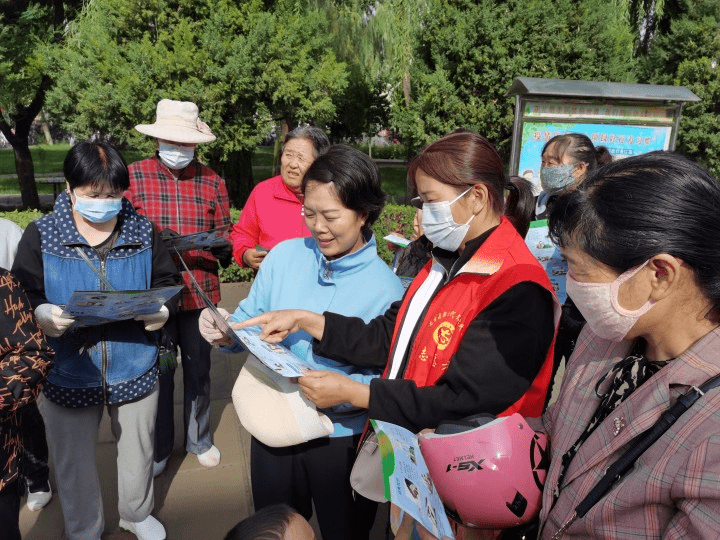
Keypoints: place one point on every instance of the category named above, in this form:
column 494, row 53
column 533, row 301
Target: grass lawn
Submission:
column 49, row 159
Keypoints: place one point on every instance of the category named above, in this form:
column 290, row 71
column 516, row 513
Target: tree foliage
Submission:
column 687, row 54
column 245, row 65
column 469, row 53
column 28, row 33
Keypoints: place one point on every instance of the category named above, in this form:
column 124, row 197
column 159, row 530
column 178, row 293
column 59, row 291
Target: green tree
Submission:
column 245, row 64
column 28, row 32
column 687, row 54
column 469, row 53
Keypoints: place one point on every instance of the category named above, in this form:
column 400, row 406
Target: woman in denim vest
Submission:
column 111, row 365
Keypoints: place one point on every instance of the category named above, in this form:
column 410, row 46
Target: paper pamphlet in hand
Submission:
column 91, row 308
column 275, row 356
column 203, row 240
column 407, row 479
column 397, row 240
column 549, row 256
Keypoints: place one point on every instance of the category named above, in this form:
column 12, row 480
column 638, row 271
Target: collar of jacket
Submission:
column 185, row 174
column 643, row 408
column 347, row 264
column 282, row 191
column 69, row 235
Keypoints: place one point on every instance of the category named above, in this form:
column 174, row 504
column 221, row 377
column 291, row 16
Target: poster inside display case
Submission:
column 628, row 119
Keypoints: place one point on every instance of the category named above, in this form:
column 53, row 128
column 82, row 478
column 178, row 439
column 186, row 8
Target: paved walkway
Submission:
column 194, row 503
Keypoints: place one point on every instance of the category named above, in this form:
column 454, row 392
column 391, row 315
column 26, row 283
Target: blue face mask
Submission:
column 556, row 178
column 97, row 210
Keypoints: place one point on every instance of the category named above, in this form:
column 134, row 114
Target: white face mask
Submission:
column 440, row 227
column 598, row 303
column 174, row 156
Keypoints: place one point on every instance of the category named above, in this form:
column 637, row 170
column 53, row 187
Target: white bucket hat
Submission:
column 177, row 121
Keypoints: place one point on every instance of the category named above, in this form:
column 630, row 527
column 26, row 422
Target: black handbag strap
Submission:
column 625, row 462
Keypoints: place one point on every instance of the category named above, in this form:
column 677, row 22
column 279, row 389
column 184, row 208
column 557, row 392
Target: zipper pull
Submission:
column 328, row 271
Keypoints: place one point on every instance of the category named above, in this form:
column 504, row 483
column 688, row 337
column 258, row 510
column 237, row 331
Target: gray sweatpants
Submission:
column 72, row 437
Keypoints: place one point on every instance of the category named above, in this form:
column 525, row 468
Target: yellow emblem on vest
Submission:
column 443, row 334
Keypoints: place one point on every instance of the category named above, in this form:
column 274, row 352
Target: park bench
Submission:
column 58, row 183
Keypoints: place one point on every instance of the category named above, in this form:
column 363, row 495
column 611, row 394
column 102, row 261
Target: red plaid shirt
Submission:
column 196, row 201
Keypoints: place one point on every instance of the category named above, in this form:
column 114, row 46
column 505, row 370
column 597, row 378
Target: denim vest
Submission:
column 119, row 357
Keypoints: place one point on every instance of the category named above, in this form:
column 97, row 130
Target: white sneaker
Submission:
column 38, row 499
column 210, row 458
column 159, row 466
column 147, row 529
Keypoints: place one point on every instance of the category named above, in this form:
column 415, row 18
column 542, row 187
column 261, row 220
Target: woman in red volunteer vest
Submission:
column 474, row 331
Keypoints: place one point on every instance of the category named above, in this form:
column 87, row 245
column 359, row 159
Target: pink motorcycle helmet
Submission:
column 488, row 472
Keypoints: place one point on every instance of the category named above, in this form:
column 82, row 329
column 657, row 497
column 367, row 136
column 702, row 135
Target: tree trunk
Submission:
column 406, row 88
column 26, row 176
column 238, row 175
column 46, row 128
column 284, row 130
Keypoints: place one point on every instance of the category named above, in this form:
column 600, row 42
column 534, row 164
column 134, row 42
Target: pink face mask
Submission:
column 598, row 303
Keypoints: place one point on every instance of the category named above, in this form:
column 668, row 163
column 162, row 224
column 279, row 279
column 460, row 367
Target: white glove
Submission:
column 154, row 321
column 208, row 328
column 51, row 319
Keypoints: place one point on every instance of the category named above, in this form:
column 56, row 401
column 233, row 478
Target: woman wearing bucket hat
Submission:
column 180, row 194
column 273, row 211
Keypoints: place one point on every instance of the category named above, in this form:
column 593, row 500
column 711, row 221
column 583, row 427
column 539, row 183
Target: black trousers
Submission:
column 10, row 512
column 195, row 353
column 34, row 458
column 316, row 471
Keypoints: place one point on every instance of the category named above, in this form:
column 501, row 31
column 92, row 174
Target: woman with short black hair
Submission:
column 111, row 365
column 642, row 240
column 337, row 269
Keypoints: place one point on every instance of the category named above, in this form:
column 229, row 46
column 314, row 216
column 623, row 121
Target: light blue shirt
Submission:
column 296, row 275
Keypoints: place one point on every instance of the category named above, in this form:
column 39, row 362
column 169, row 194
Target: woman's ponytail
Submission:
column 520, row 204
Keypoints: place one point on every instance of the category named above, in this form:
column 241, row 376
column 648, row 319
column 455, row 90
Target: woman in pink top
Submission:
column 273, row 212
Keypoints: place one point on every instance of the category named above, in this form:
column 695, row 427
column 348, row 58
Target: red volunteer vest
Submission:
column 501, row 262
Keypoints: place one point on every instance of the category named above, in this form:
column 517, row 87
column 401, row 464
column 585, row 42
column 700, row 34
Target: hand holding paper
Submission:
column 154, row 321
column 209, row 329
column 328, row 389
column 51, row 319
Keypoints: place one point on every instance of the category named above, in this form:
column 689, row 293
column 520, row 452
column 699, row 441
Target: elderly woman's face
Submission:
column 296, row 158
column 336, row 229
column 632, row 294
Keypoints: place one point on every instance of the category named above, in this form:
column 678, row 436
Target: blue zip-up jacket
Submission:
column 296, row 275
column 120, row 356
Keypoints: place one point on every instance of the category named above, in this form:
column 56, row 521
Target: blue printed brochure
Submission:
column 407, row 480
column 91, row 308
column 274, row 355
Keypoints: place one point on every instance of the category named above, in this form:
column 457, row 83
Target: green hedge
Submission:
column 387, row 151
column 394, row 217
column 22, row 218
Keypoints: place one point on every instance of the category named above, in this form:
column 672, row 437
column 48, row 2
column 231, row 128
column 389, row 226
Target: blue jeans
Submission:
column 195, row 357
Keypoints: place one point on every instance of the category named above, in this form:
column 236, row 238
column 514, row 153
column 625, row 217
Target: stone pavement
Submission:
column 194, row 503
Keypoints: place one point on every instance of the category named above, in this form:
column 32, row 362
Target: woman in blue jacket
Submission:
column 337, row 269
column 111, row 365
